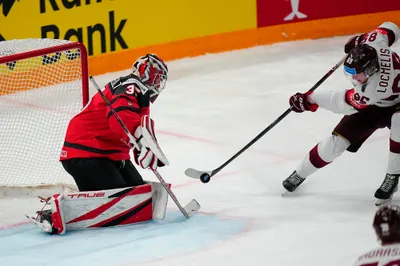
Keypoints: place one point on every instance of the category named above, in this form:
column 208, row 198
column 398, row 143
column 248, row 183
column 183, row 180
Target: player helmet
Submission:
column 153, row 72
column 387, row 224
column 361, row 59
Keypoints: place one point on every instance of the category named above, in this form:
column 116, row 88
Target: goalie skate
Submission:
column 44, row 224
column 43, row 218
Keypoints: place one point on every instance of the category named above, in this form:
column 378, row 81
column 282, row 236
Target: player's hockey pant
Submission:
column 92, row 174
column 322, row 154
column 351, row 132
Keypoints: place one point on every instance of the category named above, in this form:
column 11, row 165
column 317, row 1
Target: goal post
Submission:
column 43, row 84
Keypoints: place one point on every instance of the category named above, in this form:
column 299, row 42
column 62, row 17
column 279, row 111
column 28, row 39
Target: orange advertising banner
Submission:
column 276, row 12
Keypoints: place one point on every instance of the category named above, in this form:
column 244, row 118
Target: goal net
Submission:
column 43, row 83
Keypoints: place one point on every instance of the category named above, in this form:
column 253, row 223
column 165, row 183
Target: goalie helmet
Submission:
column 387, row 224
column 153, row 72
column 361, row 59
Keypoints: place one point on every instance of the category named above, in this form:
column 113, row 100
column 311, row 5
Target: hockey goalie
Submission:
column 96, row 153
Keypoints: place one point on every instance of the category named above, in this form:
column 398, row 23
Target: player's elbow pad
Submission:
column 393, row 32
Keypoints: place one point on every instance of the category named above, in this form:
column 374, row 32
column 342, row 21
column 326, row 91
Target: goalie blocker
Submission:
column 103, row 208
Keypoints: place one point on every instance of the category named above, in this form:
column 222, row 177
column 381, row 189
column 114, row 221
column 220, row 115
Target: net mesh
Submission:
column 39, row 94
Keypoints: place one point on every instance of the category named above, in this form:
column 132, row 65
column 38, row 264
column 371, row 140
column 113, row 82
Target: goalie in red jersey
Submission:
column 96, row 153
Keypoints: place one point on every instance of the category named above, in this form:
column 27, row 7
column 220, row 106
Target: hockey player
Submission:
column 387, row 228
column 96, row 153
column 374, row 70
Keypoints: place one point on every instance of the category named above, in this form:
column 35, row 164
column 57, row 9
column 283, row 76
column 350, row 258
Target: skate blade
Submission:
column 44, row 226
column 286, row 193
column 381, row 202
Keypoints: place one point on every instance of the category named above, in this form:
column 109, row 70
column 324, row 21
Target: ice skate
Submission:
column 43, row 217
column 292, row 182
column 388, row 187
column 43, row 220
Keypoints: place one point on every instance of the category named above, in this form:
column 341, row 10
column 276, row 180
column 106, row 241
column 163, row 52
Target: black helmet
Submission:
column 387, row 224
column 362, row 58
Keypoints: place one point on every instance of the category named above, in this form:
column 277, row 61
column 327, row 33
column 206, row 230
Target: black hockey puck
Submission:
column 205, row 178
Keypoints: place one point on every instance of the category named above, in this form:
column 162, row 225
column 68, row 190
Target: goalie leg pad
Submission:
column 108, row 207
column 57, row 216
column 160, row 199
column 91, row 209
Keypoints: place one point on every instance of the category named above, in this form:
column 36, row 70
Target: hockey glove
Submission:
column 299, row 103
column 353, row 42
column 145, row 158
column 149, row 155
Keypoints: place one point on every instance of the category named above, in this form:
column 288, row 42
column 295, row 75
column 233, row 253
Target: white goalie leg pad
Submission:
column 394, row 153
column 92, row 209
column 160, row 200
column 105, row 208
column 57, row 216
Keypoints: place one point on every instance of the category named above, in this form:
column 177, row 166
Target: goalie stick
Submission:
column 205, row 176
column 193, row 206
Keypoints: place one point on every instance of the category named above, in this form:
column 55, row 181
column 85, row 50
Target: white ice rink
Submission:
column 214, row 105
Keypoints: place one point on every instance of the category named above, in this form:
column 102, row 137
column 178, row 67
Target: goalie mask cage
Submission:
column 43, row 84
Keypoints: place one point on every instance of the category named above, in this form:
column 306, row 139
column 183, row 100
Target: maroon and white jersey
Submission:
column 382, row 88
column 388, row 255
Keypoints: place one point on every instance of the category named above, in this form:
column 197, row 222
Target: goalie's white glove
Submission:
column 145, row 158
column 150, row 155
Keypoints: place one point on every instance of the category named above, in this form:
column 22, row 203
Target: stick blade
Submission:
column 192, row 207
column 193, row 173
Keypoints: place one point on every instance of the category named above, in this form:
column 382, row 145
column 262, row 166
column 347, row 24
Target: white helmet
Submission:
column 153, row 72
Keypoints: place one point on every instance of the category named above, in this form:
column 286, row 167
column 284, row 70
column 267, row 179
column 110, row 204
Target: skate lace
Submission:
column 295, row 179
column 389, row 183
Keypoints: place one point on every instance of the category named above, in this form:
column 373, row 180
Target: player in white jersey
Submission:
column 387, row 227
column 373, row 103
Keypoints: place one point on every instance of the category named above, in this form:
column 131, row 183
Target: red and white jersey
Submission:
column 388, row 255
column 95, row 132
column 382, row 88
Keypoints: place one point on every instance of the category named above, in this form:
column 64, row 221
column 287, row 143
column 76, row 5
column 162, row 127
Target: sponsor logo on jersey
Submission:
column 64, row 154
column 356, row 100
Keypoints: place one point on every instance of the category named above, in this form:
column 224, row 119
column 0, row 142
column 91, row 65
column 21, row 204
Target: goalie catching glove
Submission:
column 149, row 154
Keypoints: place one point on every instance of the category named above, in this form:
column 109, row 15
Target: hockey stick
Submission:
column 205, row 176
column 193, row 206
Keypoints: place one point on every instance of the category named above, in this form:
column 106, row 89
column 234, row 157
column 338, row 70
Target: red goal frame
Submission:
column 54, row 49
